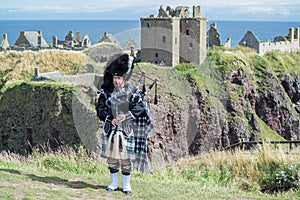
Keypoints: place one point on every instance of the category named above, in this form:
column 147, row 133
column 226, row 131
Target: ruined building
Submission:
column 131, row 43
column 33, row 40
column 109, row 38
column 289, row 43
column 213, row 36
column 72, row 42
column 30, row 39
column 173, row 37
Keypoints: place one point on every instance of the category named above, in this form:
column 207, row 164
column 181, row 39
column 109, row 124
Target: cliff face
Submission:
column 33, row 115
column 234, row 95
column 46, row 116
column 248, row 98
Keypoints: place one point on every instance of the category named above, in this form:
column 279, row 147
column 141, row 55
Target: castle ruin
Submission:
column 213, row 36
column 72, row 42
column 173, row 37
column 33, row 40
column 30, row 39
column 289, row 43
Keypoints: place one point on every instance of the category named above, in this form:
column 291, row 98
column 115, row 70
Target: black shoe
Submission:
column 127, row 192
column 108, row 189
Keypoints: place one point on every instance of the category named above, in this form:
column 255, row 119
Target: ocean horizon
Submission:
column 124, row 30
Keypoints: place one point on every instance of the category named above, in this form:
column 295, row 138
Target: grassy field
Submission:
column 74, row 175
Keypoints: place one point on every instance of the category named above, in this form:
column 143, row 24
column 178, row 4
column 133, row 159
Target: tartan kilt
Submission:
column 130, row 144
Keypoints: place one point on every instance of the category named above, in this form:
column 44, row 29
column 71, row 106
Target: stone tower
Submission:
column 174, row 38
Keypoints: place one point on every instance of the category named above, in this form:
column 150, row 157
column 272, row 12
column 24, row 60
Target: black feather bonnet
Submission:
column 117, row 65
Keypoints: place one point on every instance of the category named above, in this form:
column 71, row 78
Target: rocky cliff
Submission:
column 235, row 95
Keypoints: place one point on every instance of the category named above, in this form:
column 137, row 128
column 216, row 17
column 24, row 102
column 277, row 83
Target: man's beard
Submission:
column 118, row 87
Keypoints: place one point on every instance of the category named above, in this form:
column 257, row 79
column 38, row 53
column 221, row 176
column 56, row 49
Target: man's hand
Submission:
column 118, row 119
column 121, row 118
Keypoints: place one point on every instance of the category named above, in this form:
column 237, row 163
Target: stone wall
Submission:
column 157, row 40
column 282, row 46
column 193, row 40
column 213, row 36
column 290, row 43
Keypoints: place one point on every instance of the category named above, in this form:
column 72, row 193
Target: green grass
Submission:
column 73, row 174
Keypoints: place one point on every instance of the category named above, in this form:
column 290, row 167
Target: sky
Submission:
column 236, row 10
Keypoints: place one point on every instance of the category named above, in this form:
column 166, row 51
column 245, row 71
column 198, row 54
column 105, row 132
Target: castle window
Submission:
column 156, row 55
column 187, row 32
column 191, row 44
column 175, row 40
column 164, row 39
column 149, row 25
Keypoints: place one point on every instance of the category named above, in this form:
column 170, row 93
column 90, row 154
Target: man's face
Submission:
column 118, row 81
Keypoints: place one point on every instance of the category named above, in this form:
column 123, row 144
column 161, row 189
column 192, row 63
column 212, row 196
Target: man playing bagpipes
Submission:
column 126, row 120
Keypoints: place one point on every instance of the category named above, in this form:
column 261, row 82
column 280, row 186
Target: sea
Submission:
column 123, row 30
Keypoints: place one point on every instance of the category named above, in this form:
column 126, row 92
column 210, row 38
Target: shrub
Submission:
column 183, row 67
column 281, row 177
column 67, row 159
column 3, row 77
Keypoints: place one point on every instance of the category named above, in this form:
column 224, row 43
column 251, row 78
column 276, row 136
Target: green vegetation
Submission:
column 265, row 169
column 171, row 83
column 3, row 78
column 284, row 63
column 263, row 74
column 72, row 174
column 269, row 134
column 263, row 173
column 26, row 88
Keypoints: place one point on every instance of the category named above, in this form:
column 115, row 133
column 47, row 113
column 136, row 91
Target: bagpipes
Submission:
column 142, row 78
column 144, row 89
column 139, row 76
